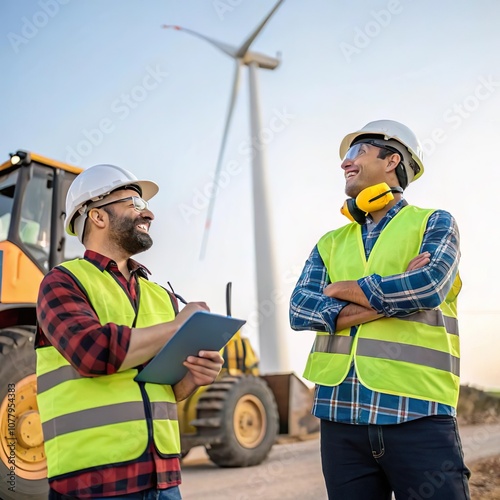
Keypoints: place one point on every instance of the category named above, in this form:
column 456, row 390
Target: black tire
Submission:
column 242, row 411
column 17, row 361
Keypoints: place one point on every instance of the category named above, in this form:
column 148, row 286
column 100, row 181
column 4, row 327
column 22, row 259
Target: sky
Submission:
column 101, row 82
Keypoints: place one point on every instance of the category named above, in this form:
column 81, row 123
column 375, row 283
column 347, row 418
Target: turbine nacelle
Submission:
column 261, row 60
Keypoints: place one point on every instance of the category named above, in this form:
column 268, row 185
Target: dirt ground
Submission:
column 476, row 407
column 484, row 483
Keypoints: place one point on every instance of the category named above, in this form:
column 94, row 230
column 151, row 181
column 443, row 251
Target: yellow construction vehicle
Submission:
column 237, row 419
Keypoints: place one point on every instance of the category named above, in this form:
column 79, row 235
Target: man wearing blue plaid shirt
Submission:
column 381, row 294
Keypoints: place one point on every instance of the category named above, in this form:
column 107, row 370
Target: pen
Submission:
column 176, row 295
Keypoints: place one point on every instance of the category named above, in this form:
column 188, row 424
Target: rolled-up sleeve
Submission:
column 424, row 288
column 69, row 323
column 310, row 309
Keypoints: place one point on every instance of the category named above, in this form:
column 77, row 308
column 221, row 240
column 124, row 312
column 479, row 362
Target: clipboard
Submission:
column 201, row 331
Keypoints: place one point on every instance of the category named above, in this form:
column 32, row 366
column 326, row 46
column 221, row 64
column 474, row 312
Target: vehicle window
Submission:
column 7, row 190
column 72, row 246
column 34, row 226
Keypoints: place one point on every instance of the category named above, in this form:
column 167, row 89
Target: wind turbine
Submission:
column 272, row 346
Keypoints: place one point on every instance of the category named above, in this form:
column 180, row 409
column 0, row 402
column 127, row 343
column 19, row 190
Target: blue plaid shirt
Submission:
column 396, row 295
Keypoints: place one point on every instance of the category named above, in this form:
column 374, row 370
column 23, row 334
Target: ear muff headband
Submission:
column 371, row 199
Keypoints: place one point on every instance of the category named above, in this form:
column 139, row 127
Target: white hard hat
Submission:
column 393, row 132
column 95, row 183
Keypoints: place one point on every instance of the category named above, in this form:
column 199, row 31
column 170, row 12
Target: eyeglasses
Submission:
column 139, row 204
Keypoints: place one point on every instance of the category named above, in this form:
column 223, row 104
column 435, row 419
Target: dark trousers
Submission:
column 416, row 460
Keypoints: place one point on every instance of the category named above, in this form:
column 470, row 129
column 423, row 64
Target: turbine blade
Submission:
column 246, row 44
column 224, row 47
column 218, row 168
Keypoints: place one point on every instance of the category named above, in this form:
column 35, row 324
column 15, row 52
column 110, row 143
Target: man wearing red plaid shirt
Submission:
column 99, row 321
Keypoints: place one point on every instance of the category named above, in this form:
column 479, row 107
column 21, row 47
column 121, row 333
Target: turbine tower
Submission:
column 272, row 345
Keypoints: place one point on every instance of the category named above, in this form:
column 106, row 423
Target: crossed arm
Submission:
column 358, row 309
column 317, row 304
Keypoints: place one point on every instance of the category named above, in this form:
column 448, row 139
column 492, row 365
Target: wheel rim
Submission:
column 249, row 421
column 21, row 437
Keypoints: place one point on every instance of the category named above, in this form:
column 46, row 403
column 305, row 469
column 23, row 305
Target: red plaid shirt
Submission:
column 67, row 321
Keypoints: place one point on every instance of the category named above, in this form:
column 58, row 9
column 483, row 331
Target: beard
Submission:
column 124, row 233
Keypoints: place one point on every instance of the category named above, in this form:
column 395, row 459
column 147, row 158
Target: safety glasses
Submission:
column 139, row 204
column 357, row 149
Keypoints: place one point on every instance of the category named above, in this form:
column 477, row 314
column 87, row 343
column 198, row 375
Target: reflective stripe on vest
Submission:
column 333, row 343
column 91, row 422
column 415, row 356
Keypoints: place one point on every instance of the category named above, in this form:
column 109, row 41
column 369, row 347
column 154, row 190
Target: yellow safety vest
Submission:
column 416, row 356
column 91, row 422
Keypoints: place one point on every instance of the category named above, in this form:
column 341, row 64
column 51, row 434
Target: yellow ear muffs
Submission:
column 371, row 199
column 352, row 212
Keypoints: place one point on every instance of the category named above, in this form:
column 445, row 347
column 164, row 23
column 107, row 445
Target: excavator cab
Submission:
column 32, row 240
column 32, row 196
